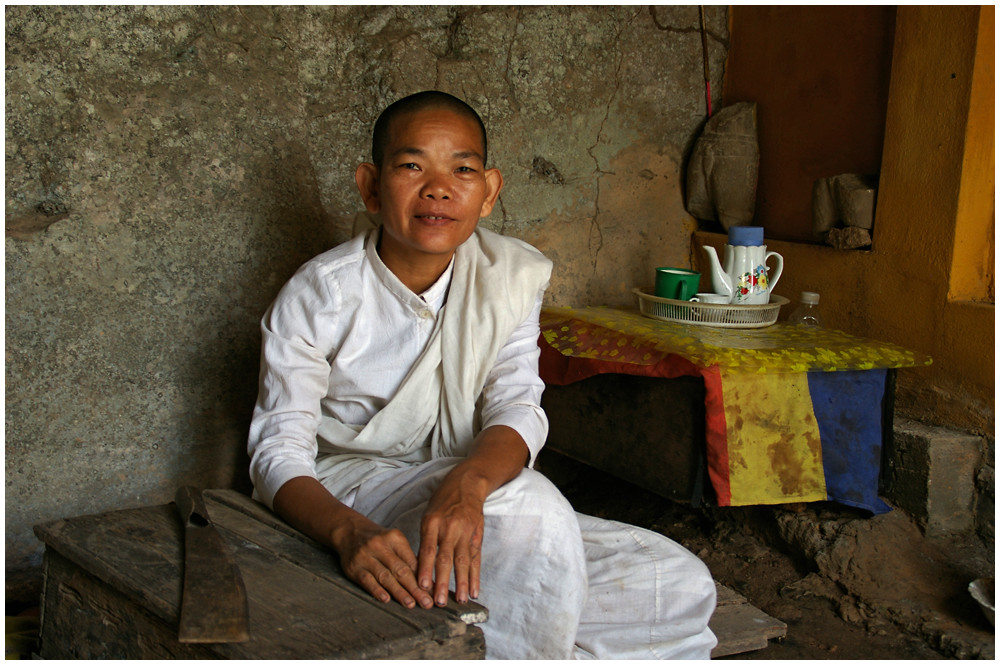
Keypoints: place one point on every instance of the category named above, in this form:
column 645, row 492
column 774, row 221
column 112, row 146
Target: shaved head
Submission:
column 421, row 101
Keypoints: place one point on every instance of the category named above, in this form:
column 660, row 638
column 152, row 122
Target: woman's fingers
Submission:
column 427, row 555
column 447, row 546
column 475, row 552
column 384, row 566
column 443, row 564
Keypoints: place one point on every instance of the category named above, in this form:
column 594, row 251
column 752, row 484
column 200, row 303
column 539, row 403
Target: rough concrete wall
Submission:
column 168, row 168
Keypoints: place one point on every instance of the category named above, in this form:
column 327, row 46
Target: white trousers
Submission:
column 560, row 585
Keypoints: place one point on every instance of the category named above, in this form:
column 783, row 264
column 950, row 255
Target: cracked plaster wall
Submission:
column 168, row 168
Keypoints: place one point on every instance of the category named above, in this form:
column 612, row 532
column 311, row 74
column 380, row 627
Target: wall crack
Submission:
column 684, row 31
column 596, row 239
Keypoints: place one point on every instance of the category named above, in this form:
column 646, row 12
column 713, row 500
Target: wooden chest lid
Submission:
column 301, row 605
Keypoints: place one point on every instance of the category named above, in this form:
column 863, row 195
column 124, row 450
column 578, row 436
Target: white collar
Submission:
column 434, row 297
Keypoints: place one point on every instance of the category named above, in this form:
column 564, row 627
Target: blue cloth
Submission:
column 847, row 406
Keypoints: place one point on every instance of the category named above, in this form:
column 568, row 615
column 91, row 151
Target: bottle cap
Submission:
column 746, row 236
column 809, row 298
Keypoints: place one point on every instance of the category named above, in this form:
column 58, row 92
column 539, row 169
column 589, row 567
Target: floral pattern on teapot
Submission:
column 750, row 282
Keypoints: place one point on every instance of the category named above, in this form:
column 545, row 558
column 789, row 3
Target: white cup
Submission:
column 711, row 298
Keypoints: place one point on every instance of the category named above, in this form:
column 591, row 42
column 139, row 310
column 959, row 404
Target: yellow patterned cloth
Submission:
column 623, row 335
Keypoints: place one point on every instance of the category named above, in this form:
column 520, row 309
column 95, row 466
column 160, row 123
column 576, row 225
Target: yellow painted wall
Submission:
column 935, row 208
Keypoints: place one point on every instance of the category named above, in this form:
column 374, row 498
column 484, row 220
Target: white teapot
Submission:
column 743, row 273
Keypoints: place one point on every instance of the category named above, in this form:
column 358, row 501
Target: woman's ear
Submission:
column 494, row 183
column 366, row 177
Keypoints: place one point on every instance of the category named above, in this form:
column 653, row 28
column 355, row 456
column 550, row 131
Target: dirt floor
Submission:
column 842, row 589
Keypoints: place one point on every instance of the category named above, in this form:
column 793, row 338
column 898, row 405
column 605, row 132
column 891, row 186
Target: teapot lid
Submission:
column 746, row 236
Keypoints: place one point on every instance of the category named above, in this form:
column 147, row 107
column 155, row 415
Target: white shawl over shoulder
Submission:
column 495, row 283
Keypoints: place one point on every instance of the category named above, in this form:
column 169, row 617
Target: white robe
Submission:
column 557, row 585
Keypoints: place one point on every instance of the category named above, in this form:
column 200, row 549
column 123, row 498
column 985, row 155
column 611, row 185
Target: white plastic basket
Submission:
column 707, row 314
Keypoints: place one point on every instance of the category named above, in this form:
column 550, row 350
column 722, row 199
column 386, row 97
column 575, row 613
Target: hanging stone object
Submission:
column 844, row 210
column 722, row 171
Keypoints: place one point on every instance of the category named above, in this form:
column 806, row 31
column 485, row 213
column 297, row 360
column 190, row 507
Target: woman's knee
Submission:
column 530, row 492
column 532, row 509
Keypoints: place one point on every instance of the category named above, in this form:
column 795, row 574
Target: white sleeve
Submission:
column 294, row 377
column 513, row 392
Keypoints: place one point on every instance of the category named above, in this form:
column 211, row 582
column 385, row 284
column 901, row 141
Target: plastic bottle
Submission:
column 807, row 313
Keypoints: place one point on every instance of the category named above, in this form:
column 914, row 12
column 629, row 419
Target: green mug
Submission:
column 676, row 283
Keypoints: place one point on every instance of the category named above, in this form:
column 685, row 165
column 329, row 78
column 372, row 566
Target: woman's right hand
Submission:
column 380, row 560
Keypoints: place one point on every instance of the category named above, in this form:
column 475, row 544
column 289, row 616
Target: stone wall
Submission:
column 168, row 168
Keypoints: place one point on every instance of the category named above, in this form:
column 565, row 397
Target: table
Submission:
column 112, row 589
column 792, row 414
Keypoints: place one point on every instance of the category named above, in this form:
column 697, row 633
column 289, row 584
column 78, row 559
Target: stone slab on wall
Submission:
column 169, row 167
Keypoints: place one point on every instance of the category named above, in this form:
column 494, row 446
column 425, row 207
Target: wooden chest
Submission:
column 113, row 585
